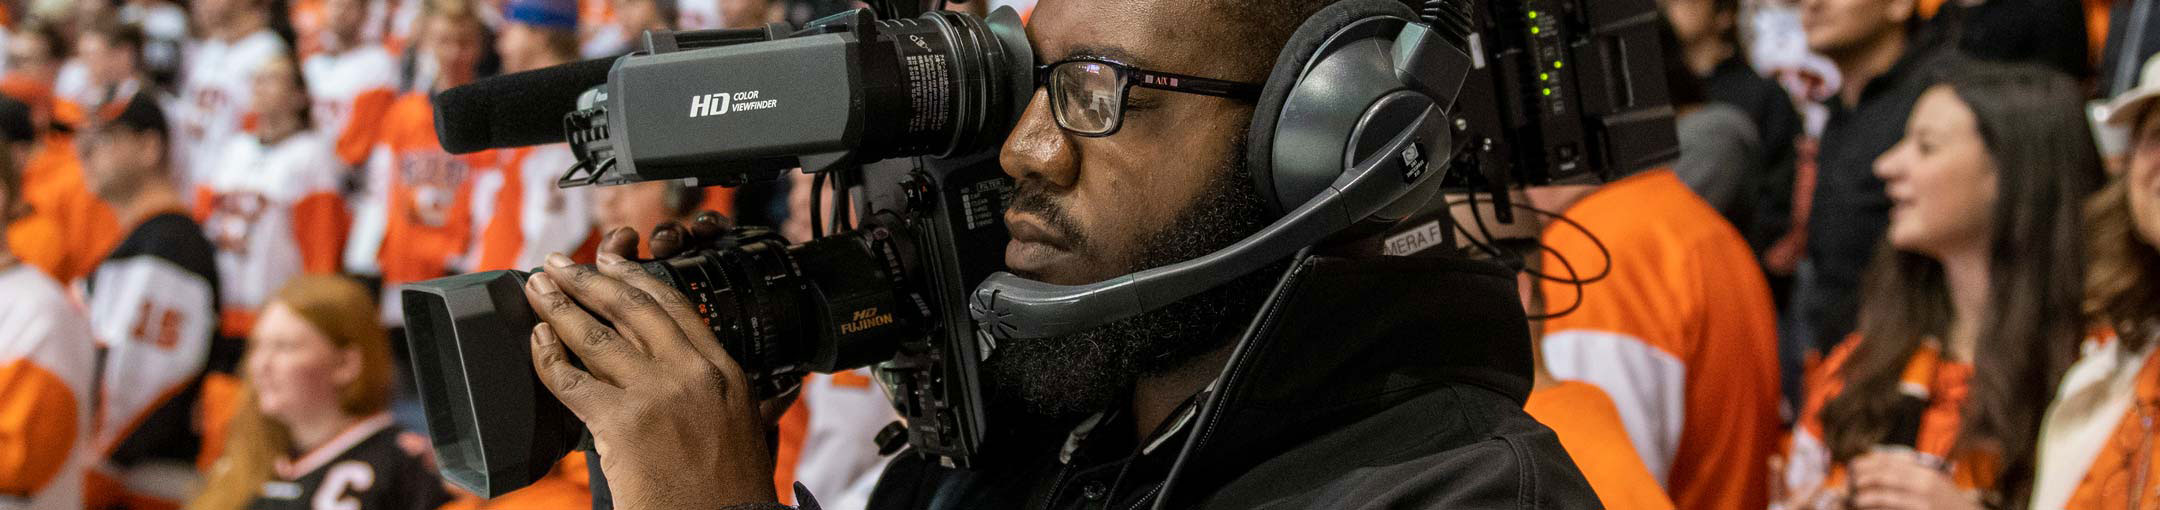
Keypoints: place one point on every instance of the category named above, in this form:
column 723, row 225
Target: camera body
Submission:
column 845, row 90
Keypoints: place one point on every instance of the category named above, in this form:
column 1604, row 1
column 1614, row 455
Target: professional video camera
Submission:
column 905, row 110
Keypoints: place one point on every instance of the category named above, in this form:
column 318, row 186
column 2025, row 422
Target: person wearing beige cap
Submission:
column 2097, row 439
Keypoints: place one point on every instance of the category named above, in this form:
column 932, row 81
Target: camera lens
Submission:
column 952, row 83
column 827, row 305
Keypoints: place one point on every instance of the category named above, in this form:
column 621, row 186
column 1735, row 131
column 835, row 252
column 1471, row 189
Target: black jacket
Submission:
column 1371, row 383
column 1851, row 211
column 1769, row 215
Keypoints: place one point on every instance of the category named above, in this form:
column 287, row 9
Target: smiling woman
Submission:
column 1982, row 256
column 2096, row 443
column 318, row 383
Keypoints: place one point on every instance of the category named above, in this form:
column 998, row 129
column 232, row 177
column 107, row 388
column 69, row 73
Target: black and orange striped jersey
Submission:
column 153, row 305
column 362, row 468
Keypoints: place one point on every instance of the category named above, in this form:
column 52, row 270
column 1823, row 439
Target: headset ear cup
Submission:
column 1289, row 64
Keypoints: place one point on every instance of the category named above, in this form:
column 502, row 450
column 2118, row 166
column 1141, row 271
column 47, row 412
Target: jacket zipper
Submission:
column 1064, row 474
column 1237, row 366
column 1149, row 497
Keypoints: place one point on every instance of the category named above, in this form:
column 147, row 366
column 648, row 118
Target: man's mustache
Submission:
column 1031, row 198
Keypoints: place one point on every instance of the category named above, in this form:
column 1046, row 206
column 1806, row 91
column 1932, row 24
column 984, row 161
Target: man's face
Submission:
column 1170, row 185
column 519, row 46
column 2144, row 178
column 1696, row 21
column 346, row 18
column 277, row 89
column 455, row 45
column 1086, row 203
column 27, row 54
column 108, row 63
column 1837, row 28
column 116, row 160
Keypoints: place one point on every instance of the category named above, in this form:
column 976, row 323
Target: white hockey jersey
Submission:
column 215, row 90
column 47, row 362
column 273, row 211
column 356, row 85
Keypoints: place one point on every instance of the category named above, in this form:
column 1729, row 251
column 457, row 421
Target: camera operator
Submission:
column 1380, row 382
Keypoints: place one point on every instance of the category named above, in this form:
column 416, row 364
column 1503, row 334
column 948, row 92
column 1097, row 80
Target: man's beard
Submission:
column 1069, row 376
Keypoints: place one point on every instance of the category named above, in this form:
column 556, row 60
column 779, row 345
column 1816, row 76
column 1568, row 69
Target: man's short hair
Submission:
column 1269, row 23
column 138, row 115
column 118, row 34
column 48, row 32
column 461, row 11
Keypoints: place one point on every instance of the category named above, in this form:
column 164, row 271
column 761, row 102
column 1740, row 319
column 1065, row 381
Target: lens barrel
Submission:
column 828, row 305
column 952, row 83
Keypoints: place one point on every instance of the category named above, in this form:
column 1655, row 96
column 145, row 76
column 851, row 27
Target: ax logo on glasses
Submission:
column 708, row 105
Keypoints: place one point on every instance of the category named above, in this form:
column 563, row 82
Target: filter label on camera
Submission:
column 928, row 92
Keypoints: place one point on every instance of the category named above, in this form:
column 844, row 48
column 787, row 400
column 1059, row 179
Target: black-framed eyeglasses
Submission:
column 1088, row 94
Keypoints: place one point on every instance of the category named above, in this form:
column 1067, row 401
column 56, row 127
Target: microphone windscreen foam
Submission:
column 514, row 110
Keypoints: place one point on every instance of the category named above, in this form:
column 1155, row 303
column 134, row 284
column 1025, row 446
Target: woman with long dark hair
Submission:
column 1983, row 255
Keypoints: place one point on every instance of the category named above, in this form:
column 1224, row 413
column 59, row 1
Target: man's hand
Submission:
column 670, row 412
column 669, row 238
column 1899, row 480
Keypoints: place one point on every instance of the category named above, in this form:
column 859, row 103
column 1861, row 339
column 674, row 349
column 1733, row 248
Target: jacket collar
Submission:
column 1343, row 339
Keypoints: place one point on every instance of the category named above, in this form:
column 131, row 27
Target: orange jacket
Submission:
column 429, row 222
column 69, row 230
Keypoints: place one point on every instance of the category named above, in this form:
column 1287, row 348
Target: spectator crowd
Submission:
column 1908, row 256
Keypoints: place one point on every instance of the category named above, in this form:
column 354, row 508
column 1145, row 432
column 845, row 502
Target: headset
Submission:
column 1350, row 134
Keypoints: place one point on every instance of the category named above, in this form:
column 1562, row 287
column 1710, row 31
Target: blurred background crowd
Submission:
column 1909, row 256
